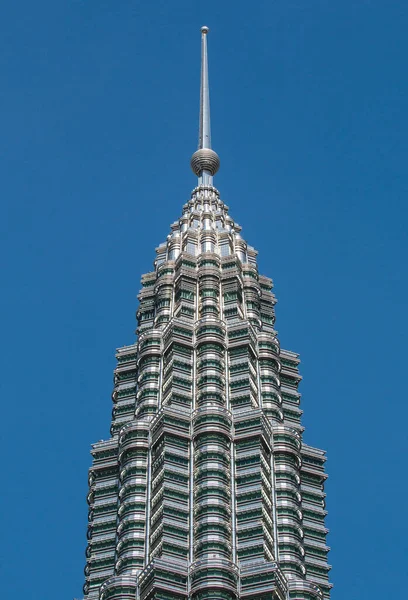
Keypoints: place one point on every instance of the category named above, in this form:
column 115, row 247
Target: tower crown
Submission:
column 204, row 162
column 205, row 487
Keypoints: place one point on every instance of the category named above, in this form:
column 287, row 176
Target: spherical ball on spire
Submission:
column 205, row 159
column 205, row 29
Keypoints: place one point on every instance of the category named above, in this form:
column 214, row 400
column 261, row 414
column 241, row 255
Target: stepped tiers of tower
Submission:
column 205, row 489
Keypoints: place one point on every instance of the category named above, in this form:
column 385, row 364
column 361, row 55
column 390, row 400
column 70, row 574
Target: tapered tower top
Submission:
column 205, row 162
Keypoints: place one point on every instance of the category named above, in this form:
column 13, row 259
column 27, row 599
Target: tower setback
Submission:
column 205, row 489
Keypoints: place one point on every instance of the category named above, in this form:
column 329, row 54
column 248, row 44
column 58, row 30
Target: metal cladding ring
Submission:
column 205, row 159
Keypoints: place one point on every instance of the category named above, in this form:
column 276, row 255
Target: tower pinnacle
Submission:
column 206, row 488
column 204, row 162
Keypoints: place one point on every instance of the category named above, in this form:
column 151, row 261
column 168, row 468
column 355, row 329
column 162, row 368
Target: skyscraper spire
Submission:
column 204, row 136
column 205, row 162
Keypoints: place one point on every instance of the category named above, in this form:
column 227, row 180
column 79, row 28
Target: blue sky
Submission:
column 98, row 119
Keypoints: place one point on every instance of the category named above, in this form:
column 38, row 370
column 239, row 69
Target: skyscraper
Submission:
column 205, row 488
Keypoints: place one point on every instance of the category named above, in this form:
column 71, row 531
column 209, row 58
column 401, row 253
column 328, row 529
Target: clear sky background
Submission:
column 98, row 120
